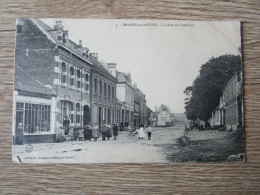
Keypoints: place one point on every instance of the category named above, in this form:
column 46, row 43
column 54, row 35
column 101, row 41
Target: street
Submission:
column 122, row 150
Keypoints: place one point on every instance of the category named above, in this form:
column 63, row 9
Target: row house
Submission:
column 124, row 94
column 103, row 93
column 63, row 81
column 140, row 101
column 229, row 111
column 232, row 95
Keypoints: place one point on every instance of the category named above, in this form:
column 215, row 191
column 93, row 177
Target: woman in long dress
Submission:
column 141, row 132
column 95, row 132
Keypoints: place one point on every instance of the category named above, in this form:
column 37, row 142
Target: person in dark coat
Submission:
column 19, row 136
column 104, row 132
column 122, row 126
column 88, row 132
column 109, row 131
column 115, row 131
column 66, row 123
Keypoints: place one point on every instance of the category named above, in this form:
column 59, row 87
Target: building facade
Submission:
column 103, row 96
column 233, row 102
column 164, row 119
column 124, row 94
column 140, row 102
column 71, row 83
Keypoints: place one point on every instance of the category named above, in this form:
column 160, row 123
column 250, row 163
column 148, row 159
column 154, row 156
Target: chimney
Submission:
column 135, row 85
column 112, row 68
column 80, row 43
column 85, row 52
column 58, row 25
column 95, row 55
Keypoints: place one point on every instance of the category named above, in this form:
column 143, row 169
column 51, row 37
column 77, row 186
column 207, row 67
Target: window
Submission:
column 78, row 73
column 113, row 92
column 71, row 71
column 78, row 113
column 71, row 115
column 86, row 77
column 35, row 118
column 109, row 92
column 72, row 82
column 78, row 84
column 63, row 78
column 100, row 87
column 86, row 87
column 63, row 66
column 95, row 85
column 163, row 118
column 105, row 89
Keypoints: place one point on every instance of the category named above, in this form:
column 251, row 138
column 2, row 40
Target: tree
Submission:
column 203, row 96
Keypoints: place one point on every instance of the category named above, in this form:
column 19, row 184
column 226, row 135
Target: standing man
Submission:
column 19, row 136
column 115, row 131
column 66, row 123
column 149, row 132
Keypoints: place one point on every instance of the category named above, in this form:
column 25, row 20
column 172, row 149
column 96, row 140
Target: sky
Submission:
column 163, row 56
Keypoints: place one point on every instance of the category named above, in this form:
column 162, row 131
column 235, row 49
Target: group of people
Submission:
column 89, row 132
column 142, row 132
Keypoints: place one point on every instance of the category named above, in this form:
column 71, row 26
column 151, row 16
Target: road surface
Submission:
column 122, row 150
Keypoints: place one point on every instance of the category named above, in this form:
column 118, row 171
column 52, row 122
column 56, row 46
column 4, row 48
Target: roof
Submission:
column 25, row 82
column 50, row 33
column 179, row 115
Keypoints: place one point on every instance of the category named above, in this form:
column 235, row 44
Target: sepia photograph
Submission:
column 127, row 91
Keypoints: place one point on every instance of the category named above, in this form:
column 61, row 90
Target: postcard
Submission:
column 127, row 91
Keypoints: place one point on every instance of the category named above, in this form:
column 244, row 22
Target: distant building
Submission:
column 151, row 120
column 179, row 119
column 164, row 119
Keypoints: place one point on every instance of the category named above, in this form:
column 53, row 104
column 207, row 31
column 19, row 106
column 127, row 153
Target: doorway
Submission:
column 86, row 115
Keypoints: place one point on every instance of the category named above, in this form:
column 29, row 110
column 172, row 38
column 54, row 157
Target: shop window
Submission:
column 35, row 118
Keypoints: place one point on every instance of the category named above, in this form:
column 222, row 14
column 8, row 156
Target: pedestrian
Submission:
column 122, row 126
column 109, row 131
column 201, row 126
column 66, row 123
column 115, row 131
column 149, row 132
column 81, row 133
column 104, row 132
column 141, row 132
column 88, row 132
column 95, row 132
column 19, row 136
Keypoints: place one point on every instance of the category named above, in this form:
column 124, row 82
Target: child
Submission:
column 149, row 132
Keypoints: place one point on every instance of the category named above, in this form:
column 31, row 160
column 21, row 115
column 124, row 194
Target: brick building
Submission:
column 103, row 96
column 125, row 93
column 65, row 81
column 140, row 102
